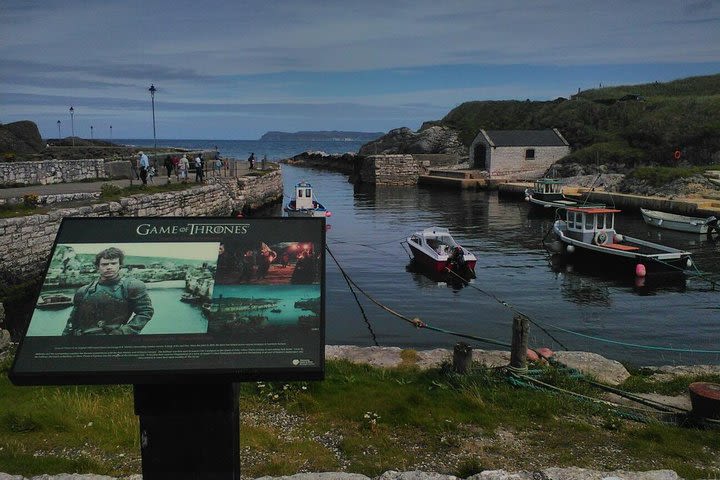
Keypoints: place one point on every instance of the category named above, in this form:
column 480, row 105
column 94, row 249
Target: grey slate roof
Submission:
column 525, row 138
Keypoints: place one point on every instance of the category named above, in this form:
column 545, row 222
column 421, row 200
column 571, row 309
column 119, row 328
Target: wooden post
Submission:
column 462, row 357
column 518, row 350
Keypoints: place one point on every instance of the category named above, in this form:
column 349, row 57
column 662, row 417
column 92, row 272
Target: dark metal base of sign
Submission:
column 189, row 431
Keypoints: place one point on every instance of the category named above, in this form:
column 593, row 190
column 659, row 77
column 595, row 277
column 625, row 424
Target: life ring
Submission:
column 600, row 238
column 677, row 154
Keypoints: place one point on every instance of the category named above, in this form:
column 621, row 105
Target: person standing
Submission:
column 134, row 167
column 199, row 166
column 176, row 163
column 183, row 168
column 112, row 304
column 251, row 160
column 144, row 166
column 168, row 166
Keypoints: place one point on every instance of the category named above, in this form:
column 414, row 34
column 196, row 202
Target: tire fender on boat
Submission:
column 600, row 238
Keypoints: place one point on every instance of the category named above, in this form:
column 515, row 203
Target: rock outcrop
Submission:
column 20, row 138
column 429, row 139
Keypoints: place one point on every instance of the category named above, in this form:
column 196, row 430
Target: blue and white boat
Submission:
column 304, row 204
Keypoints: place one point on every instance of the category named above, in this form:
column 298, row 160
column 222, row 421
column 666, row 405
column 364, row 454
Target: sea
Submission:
column 639, row 323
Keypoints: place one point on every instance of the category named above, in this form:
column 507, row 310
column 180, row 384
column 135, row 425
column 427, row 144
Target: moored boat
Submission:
column 434, row 248
column 588, row 234
column 547, row 195
column 304, row 204
column 54, row 301
column 681, row 223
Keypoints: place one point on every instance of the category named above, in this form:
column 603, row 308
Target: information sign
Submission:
column 178, row 300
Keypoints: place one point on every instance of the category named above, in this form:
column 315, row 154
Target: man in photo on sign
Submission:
column 112, row 304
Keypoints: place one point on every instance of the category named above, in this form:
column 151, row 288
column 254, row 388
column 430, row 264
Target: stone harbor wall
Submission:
column 389, row 170
column 50, row 171
column 25, row 242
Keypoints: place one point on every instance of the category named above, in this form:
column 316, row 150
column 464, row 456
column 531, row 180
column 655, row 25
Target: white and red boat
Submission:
column 435, row 249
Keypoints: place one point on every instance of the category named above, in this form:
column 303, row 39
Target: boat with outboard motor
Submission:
column 680, row 223
column 434, row 248
column 54, row 301
column 547, row 196
column 304, row 204
column 588, row 234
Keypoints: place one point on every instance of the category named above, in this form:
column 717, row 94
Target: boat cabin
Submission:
column 304, row 196
column 438, row 240
column 591, row 225
column 548, row 187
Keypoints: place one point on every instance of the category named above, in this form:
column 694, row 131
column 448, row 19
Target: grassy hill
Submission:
column 638, row 124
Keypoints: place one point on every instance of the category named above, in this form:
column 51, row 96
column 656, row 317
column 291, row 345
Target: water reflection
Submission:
column 425, row 277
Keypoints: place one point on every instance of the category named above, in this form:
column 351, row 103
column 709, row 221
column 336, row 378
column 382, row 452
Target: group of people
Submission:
column 179, row 166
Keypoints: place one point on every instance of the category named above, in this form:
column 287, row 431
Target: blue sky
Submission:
column 236, row 69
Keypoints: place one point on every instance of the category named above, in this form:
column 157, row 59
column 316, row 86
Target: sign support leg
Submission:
column 189, row 431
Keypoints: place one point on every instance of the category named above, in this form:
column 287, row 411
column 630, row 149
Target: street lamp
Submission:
column 91, row 132
column 72, row 124
column 152, row 91
column 59, row 136
column 111, row 133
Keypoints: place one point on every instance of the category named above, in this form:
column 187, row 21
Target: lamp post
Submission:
column 111, row 133
column 72, row 124
column 91, row 133
column 152, row 91
column 59, row 136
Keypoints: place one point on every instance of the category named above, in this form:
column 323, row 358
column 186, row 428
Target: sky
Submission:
column 236, row 69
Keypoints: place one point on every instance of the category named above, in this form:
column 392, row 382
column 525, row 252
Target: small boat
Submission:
column 435, row 249
column 547, row 195
column 588, row 234
column 680, row 223
column 304, row 204
column 54, row 301
column 190, row 298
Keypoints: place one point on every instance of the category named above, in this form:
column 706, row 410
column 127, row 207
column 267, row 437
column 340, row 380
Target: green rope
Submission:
column 635, row 345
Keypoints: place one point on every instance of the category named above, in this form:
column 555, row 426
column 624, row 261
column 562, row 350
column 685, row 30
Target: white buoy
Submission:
column 570, row 248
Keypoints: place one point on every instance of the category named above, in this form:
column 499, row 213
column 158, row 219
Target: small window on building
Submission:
column 529, row 154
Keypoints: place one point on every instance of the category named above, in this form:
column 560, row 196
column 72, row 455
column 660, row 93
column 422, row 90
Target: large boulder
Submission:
column 20, row 137
column 429, row 139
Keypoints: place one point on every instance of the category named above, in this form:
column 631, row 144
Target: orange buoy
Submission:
column 545, row 352
column 532, row 356
column 677, row 154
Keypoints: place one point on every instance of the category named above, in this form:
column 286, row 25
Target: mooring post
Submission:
column 462, row 358
column 518, row 349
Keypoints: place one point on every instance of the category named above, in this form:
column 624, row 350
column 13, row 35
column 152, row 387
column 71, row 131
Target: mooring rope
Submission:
column 416, row 322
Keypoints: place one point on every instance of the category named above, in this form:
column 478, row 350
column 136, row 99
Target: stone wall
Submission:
column 50, row 171
column 390, row 170
column 510, row 162
column 25, row 242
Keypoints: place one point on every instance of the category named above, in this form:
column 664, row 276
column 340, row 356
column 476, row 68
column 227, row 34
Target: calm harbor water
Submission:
column 368, row 225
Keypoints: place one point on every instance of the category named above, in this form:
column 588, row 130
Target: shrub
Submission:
column 31, row 200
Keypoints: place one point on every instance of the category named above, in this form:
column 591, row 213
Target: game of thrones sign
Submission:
column 169, row 300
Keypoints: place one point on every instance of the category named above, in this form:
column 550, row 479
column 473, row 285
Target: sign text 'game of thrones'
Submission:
column 163, row 300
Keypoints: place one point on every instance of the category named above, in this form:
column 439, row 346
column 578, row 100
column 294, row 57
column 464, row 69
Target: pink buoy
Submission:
column 545, row 352
column 532, row 356
column 640, row 270
column 328, row 214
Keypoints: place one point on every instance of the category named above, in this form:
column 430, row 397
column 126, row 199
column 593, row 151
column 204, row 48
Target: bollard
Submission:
column 518, row 349
column 462, row 358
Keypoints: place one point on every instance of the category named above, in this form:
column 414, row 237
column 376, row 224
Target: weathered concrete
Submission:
column 389, row 170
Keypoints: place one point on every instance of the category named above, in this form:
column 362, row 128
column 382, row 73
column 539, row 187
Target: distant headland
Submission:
column 322, row 136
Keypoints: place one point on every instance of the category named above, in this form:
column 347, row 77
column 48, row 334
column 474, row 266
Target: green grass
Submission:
column 659, row 176
column 366, row 420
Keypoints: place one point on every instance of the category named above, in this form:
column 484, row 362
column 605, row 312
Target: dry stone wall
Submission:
column 51, row 171
column 390, row 170
column 25, row 242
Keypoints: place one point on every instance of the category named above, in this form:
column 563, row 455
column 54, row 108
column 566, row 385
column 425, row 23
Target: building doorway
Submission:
column 480, row 157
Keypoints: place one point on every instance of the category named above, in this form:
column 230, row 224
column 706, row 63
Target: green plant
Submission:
column 30, row 200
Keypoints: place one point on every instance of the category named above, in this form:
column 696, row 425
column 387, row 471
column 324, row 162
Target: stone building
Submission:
column 517, row 154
